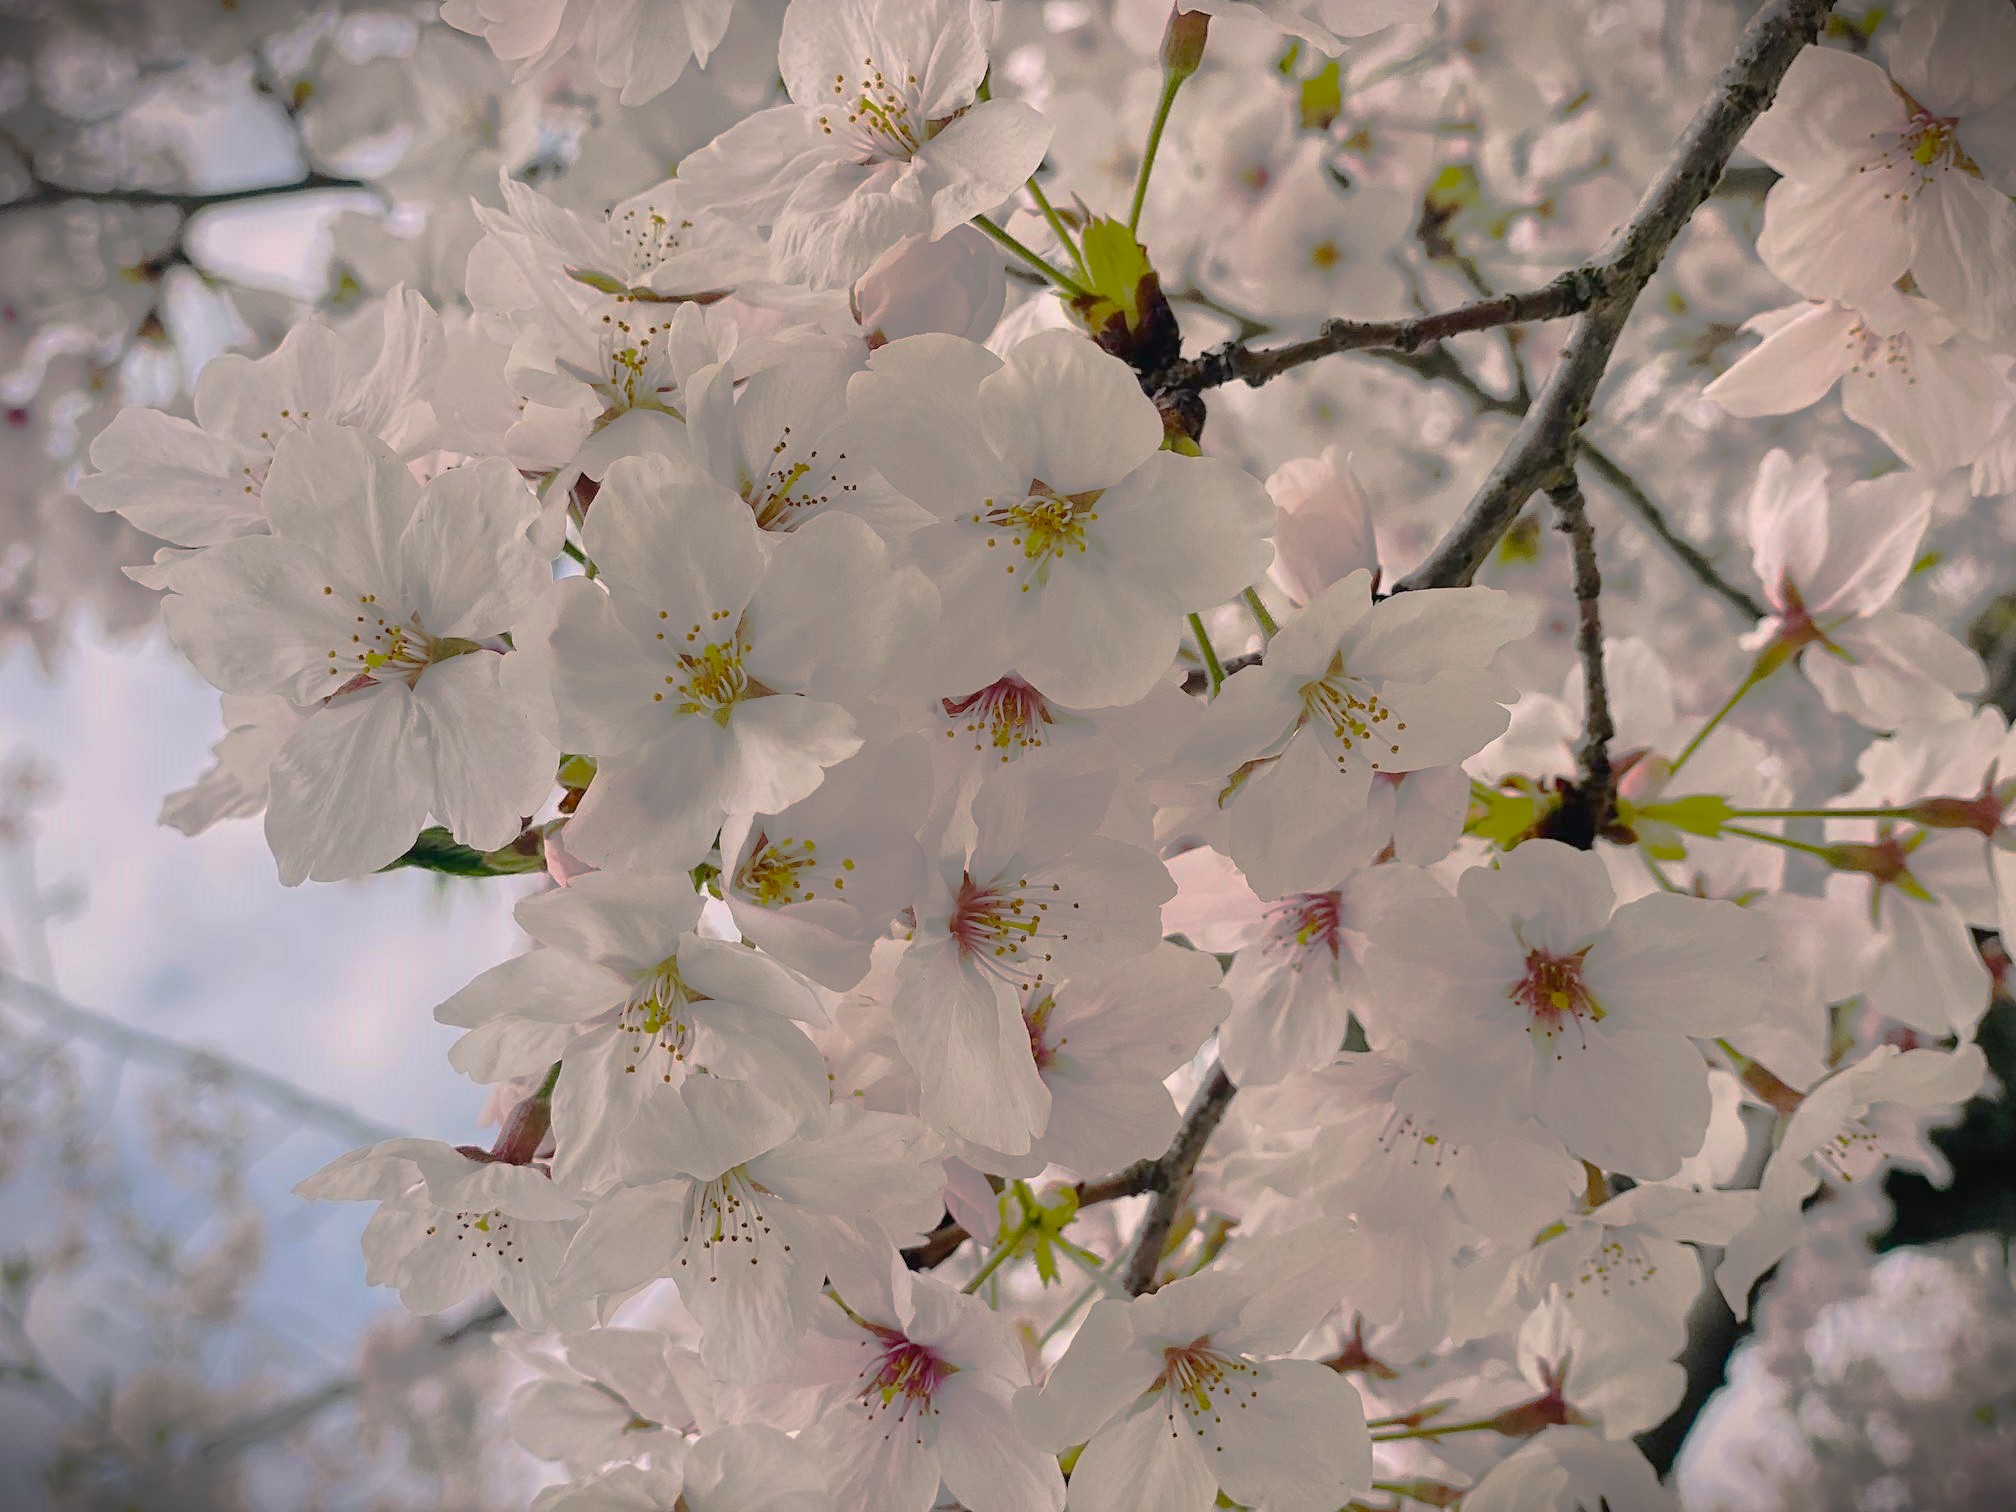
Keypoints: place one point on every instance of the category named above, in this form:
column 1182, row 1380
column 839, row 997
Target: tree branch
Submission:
column 1569, row 294
column 1594, row 803
column 1634, row 498
column 45, row 194
column 1171, row 1178
column 1541, row 448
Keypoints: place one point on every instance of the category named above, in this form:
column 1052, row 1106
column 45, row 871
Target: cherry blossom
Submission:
column 378, row 603
column 917, row 1381
column 1067, row 545
column 883, row 137
column 1351, row 689
column 1577, row 1008
column 1830, row 563
column 690, row 668
column 1905, row 172
column 1179, row 1394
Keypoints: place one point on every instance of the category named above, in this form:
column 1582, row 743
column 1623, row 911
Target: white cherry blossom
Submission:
column 378, row 605
column 1067, row 546
column 884, row 137
column 1534, row 982
column 692, row 668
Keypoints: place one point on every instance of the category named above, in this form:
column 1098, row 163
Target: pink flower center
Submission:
column 1008, row 716
column 1554, row 994
column 1305, row 927
column 1003, row 926
column 901, row 1376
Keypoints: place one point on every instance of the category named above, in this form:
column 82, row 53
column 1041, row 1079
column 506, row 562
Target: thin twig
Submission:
column 1570, row 294
column 1775, row 36
column 45, row 194
column 943, row 1242
column 1172, row 1179
column 1634, row 498
column 1596, row 785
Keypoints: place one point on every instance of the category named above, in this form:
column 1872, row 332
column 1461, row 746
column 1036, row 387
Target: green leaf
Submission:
column 1701, row 814
column 436, row 850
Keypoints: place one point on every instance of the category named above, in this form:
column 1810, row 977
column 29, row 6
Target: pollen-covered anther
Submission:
column 726, row 1216
column 654, row 1019
column 1007, row 716
column 1199, row 1382
column 1041, row 528
column 1554, row 995
column 901, row 1377
column 779, row 873
column 1354, row 720
column 1306, row 927
column 1002, row 927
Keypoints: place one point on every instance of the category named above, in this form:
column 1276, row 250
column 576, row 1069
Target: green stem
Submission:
column 1002, row 1253
column 1436, row 1430
column 1750, row 681
column 1035, row 259
column 1665, row 882
column 580, row 556
column 1268, row 627
column 1820, row 813
column 1213, row 668
column 1171, row 82
column 1058, row 229
column 1825, row 853
column 1071, row 1310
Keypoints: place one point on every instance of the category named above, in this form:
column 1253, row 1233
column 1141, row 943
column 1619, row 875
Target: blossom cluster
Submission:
column 1060, row 974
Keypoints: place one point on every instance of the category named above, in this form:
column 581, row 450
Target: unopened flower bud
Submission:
column 1183, row 42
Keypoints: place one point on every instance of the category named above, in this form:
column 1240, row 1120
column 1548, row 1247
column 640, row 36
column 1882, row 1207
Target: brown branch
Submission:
column 1634, row 498
column 1592, row 806
column 1570, row 294
column 45, row 194
column 943, row 1242
column 1167, row 1176
column 1542, row 446
column 1171, row 1179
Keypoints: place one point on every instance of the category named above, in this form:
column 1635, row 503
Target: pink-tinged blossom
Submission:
column 884, row 136
column 1013, row 904
column 699, row 668
column 1875, row 1112
column 740, row 1467
column 915, row 1383
column 1181, row 1393
column 1103, row 1042
column 637, row 47
column 199, row 482
column 1830, row 561
column 1572, row 1467
column 1908, row 171
column 1300, row 976
column 1067, row 545
column 953, row 284
column 1322, row 524
column 376, row 605
column 1534, row 986
column 816, row 884
column 1906, row 372
column 749, row 1231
